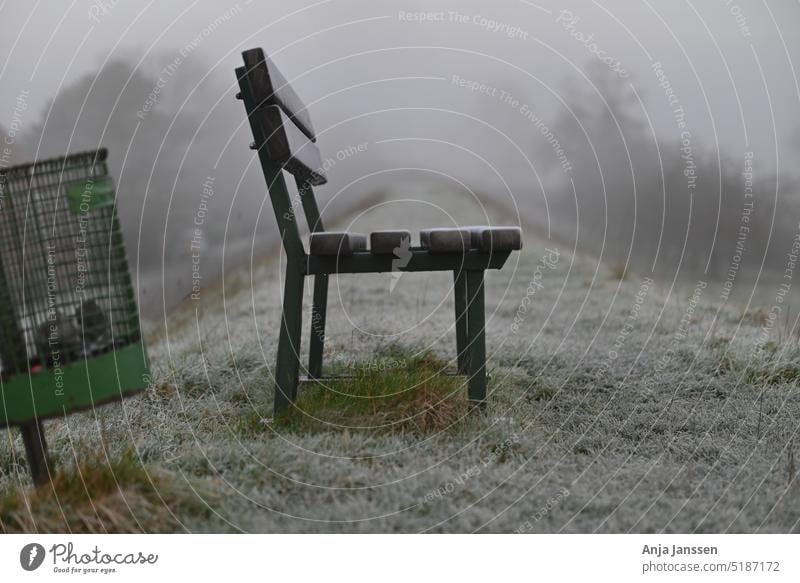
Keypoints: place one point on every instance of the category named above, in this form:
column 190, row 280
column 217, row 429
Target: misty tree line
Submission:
column 172, row 127
column 665, row 207
column 165, row 128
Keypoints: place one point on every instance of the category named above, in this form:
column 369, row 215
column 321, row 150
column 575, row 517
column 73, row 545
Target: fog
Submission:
column 645, row 133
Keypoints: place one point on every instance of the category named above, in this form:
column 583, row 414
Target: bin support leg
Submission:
column 36, row 451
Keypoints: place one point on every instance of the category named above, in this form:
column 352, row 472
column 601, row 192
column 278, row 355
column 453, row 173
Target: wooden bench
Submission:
column 285, row 141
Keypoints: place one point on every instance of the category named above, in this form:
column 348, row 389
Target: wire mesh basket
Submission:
column 70, row 336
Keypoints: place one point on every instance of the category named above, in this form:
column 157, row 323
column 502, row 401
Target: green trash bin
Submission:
column 70, row 337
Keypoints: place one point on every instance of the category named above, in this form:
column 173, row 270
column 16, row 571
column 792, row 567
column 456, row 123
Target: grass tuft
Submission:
column 98, row 496
column 413, row 395
column 769, row 368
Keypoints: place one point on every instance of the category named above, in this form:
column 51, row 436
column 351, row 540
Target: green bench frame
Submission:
column 284, row 139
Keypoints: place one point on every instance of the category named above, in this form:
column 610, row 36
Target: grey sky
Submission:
column 710, row 56
column 454, row 91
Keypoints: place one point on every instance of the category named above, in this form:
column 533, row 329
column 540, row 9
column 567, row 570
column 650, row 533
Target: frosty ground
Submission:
column 618, row 403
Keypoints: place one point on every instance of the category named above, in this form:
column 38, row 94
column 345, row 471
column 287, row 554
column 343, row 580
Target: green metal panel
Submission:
column 93, row 193
column 80, row 385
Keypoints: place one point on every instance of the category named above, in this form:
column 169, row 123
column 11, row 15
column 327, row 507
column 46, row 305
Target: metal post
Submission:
column 318, row 315
column 36, row 451
column 476, row 330
column 460, row 292
column 288, row 365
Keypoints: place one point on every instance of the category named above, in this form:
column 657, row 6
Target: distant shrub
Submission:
column 618, row 271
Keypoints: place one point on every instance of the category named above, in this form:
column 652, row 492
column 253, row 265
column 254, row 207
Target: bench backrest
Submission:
column 284, row 138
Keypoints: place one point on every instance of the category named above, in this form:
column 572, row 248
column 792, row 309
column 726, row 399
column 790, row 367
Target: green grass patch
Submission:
column 413, row 394
column 768, row 368
column 775, row 374
column 102, row 496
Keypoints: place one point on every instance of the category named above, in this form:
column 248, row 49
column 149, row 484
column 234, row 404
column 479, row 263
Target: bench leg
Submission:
column 287, row 369
column 36, row 451
column 318, row 313
column 460, row 292
column 476, row 328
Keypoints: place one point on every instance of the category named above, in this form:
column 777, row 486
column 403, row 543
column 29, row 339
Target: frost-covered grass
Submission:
column 616, row 404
